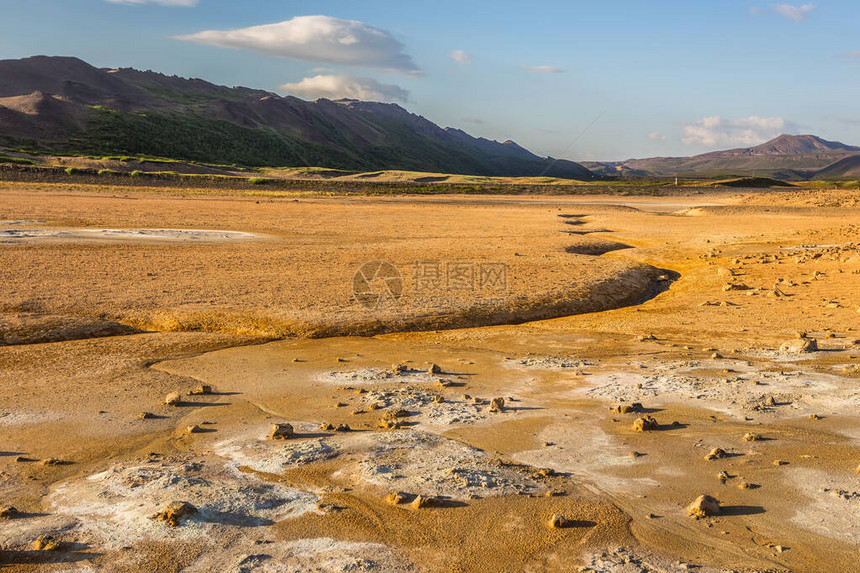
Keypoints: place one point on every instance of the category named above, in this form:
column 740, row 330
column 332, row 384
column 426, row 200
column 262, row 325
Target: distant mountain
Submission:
column 64, row 105
column 786, row 157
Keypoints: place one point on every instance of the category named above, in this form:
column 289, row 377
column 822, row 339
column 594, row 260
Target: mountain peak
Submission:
column 806, row 143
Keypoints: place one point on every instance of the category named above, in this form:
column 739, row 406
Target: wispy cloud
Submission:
column 337, row 87
column 715, row 131
column 855, row 55
column 183, row 3
column 475, row 120
column 543, row 69
column 792, row 12
column 656, row 136
column 318, row 39
column 461, row 57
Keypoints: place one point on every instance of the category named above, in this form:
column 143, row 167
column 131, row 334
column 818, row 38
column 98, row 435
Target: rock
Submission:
column 193, row 429
column 434, row 369
column 799, row 346
column 397, row 498
column 438, row 399
column 173, row 399
column 326, row 427
column 8, row 512
column 647, row 338
column 750, row 437
column 703, row 506
column 814, row 417
column 745, row 485
column 174, row 512
column 444, row 383
column 627, row 408
column 645, row 424
column 45, row 543
column 50, row 462
column 558, row 521
column 421, row 502
column 857, row 469
column 146, row 415
column 281, row 432
column 716, row 454
column 736, row 286
column 780, row 463
column 201, row 390
column 394, row 414
column 385, row 424
column 497, row 405
column 342, row 428
column 399, row 368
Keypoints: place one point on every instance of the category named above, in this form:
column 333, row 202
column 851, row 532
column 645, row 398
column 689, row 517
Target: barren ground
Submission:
column 113, row 298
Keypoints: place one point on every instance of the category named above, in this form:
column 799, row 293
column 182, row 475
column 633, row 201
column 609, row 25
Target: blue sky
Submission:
column 649, row 78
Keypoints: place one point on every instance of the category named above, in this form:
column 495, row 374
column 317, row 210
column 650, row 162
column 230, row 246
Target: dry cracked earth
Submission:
column 206, row 382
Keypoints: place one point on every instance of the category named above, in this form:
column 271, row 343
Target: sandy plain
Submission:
column 112, row 298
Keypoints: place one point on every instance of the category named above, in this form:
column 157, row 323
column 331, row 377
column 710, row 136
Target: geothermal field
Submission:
column 207, row 380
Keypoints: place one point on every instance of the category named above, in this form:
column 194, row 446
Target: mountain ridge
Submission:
column 794, row 157
column 64, row 104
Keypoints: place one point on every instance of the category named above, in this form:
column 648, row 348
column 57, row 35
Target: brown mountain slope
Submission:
column 64, row 105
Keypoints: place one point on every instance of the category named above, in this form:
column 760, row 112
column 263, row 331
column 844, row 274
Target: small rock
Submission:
column 780, row 463
column 399, row 368
column 50, row 462
column 814, row 417
column 703, row 506
column 281, row 432
column 627, row 408
column 558, row 521
column 751, row 437
column 434, row 369
column 175, row 512
column 193, row 429
column 45, row 543
column 397, row 498
column 497, row 405
column 201, row 390
column 645, row 424
column 326, row 427
column 173, row 399
column 385, row 424
column 421, row 502
column 438, row 399
column 146, row 415
column 8, row 512
column 799, row 346
column 716, row 454
column 342, row 428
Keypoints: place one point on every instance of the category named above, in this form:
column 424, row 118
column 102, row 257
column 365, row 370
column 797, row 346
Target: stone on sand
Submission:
column 146, row 415
column 281, row 431
column 174, row 512
column 645, row 424
column 201, row 390
column 173, row 399
column 497, row 405
column 397, row 498
column 716, row 454
column 8, row 512
column 421, row 502
column 703, row 506
column 751, row 437
column 558, row 521
column 45, row 543
column 434, row 369
column 799, row 346
column 193, row 429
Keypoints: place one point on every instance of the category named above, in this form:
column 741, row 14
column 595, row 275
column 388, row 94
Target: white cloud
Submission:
column 184, row 3
column 656, row 136
column 317, row 39
column 461, row 57
column 715, row 131
column 543, row 69
column 337, row 87
column 796, row 13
